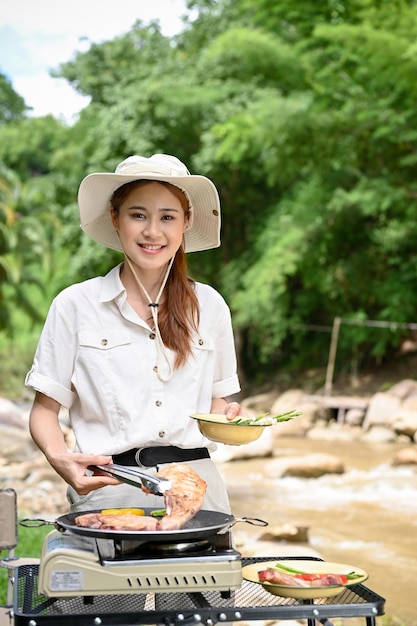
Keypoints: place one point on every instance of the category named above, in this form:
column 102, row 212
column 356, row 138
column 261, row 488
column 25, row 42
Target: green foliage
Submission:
column 242, row 54
column 125, row 60
column 27, row 146
column 12, row 106
column 30, row 541
column 302, row 113
column 16, row 356
column 26, row 254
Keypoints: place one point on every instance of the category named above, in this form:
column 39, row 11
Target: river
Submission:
column 366, row 517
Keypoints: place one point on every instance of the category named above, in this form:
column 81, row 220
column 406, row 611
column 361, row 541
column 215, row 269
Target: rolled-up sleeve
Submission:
column 53, row 365
column 226, row 382
column 227, row 387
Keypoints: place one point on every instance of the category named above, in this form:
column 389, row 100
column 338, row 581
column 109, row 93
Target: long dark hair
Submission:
column 179, row 313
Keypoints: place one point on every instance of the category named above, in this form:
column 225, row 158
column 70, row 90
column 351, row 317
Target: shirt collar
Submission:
column 112, row 286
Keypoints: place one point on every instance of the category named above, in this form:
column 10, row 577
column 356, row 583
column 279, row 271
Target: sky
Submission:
column 37, row 35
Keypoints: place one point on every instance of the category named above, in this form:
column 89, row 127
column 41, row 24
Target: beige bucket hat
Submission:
column 203, row 230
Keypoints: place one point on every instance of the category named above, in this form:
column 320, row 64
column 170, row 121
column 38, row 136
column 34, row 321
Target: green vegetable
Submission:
column 158, row 513
column 290, row 570
column 287, row 568
column 281, row 417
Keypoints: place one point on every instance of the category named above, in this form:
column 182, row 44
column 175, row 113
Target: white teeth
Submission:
column 151, row 247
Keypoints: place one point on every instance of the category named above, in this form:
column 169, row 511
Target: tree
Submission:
column 25, row 251
column 354, row 149
column 28, row 145
column 12, row 106
column 303, row 115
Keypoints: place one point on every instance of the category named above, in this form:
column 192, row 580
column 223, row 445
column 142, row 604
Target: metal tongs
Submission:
column 135, row 477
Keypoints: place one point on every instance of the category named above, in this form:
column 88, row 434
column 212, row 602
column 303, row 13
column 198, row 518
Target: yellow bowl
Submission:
column 218, row 428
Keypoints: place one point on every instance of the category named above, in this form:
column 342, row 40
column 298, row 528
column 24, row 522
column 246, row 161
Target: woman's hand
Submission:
column 234, row 409
column 74, row 469
column 230, row 409
column 71, row 466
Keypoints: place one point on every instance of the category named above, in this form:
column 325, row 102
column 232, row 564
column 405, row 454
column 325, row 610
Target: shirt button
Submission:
column 161, row 434
column 200, row 342
column 158, row 403
column 104, row 342
column 152, row 336
column 155, row 368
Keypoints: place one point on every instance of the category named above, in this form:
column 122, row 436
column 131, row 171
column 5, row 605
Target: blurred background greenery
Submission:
column 302, row 113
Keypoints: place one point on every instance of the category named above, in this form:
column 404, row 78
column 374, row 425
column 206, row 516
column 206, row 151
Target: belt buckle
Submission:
column 137, row 458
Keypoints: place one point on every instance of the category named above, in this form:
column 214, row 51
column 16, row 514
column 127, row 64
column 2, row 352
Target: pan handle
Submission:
column 255, row 521
column 29, row 522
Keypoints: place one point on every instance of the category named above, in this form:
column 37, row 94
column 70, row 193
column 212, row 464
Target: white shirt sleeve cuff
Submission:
column 50, row 388
column 227, row 387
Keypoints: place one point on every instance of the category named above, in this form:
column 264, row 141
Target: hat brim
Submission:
column 94, row 204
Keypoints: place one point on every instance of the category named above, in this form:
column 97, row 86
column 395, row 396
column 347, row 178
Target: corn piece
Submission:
column 128, row 511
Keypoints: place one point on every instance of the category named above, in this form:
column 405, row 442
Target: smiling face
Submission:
column 150, row 221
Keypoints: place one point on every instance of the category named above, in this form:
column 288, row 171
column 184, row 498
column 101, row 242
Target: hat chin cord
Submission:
column 161, row 349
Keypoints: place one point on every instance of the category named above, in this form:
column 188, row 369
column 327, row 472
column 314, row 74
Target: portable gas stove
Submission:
column 248, row 603
column 73, row 565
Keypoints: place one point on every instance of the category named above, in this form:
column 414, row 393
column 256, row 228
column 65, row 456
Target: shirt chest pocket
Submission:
column 202, row 346
column 104, row 339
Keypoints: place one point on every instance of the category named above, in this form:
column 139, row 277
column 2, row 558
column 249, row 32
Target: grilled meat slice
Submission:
column 280, row 578
column 88, row 520
column 322, row 580
column 301, row 580
column 106, row 521
column 184, row 499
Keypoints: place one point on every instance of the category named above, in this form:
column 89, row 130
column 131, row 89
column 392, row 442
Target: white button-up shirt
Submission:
column 97, row 357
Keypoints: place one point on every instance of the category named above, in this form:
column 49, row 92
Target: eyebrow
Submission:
column 136, row 207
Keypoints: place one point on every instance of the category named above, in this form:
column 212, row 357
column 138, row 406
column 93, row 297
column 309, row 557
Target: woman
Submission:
column 133, row 354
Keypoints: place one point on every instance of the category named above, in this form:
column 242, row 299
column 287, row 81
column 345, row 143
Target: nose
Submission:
column 152, row 228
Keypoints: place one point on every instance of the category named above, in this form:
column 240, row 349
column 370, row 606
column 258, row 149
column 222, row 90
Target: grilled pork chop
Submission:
column 184, row 499
column 106, row 521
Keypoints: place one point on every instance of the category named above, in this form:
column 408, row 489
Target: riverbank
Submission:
column 366, row 517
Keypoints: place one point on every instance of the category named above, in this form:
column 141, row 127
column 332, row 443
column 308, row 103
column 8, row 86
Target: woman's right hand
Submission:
column 73, row 467
column 46, row 432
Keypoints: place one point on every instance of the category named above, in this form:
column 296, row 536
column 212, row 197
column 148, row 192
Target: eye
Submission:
column 138, row 215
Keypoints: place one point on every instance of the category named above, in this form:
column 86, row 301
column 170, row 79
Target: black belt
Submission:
column 156, row 455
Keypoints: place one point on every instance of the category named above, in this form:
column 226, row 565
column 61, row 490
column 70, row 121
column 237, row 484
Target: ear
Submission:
column 187, row 221
column 114, row 218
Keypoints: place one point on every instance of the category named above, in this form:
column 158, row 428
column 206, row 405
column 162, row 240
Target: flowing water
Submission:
column 366, row 517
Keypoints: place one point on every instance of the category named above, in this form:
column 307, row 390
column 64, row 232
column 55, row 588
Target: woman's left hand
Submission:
column 230, row 409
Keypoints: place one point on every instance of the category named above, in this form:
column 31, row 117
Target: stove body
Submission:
column 72, row 565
